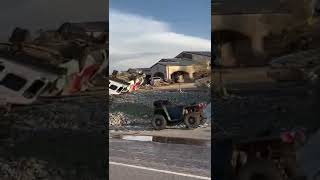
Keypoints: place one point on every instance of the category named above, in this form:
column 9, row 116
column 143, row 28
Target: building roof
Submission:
column 176, row 62
column 144, row 69
column 202, row 53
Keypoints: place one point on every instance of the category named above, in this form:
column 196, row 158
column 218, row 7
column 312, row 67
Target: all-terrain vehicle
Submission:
column 169, row 114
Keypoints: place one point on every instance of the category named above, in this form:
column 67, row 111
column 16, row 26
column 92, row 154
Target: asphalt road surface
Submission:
column 136, row 160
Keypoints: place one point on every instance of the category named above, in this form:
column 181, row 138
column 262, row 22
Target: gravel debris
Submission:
column 28, row 169
column 264, row 113
column 88, row 114
column 83, row 114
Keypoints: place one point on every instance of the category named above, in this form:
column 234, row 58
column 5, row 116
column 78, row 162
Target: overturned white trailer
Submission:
column 22, row 83
column 117, row 86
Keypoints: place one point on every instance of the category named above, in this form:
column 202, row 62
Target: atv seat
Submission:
column 174, row 111
column 161, row 103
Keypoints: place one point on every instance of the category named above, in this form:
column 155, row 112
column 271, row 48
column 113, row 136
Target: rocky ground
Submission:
column 134, row 111
column 53, row 139
column 53, row 155
column 27, row 169
column 76, row 113
column 252, row 111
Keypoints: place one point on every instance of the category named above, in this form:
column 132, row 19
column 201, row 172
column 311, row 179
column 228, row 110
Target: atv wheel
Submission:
column 192, row 120
column 262, row 170
column 159, row 122
column 202, row 119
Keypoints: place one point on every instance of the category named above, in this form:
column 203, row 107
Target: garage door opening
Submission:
column 235, row 48
column 180, row 77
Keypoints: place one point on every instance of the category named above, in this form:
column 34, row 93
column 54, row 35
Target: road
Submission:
column 137, row 160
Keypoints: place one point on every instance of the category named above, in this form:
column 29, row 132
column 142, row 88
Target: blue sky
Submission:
column 190, row 17
column 144, row 31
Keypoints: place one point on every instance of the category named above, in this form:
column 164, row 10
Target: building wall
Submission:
column 255, row 27
column 189, row 69
column 159, row 68
column 256, row 22
column 169, row 70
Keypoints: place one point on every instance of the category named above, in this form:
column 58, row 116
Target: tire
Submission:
column 159, row 122
column 192, row 120
column 202, row 119
column 260, row 170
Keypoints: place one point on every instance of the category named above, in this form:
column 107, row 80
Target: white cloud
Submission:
column 137, row 41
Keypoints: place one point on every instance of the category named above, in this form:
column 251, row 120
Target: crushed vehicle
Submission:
column 58, row 62
column 168, row 114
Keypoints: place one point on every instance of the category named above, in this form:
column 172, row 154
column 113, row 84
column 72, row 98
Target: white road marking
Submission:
column 137, row 138
column 158, row 170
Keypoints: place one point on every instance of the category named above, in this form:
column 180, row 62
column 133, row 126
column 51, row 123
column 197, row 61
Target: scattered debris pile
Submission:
column 58, row 62
column 47, row 88
column 203, row 82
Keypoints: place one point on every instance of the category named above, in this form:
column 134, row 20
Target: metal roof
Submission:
column 177, row 62
column 202, row 53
